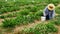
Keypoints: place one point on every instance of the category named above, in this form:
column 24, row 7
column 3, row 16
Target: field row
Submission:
column 43, row 28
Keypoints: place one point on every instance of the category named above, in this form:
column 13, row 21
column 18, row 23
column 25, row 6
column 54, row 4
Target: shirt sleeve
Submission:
column 45, row 11
column 53, row 13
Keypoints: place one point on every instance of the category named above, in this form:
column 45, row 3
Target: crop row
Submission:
column 40, row 29
column 23, row 17
column 8, row 7
column 24, row 11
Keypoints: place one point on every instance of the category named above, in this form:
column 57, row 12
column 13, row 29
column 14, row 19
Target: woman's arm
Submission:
column 45, row 11
column 53, row 13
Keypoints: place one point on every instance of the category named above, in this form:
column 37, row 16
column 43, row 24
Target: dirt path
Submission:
column 20, row 28
column 58, row 29
column 1, row 21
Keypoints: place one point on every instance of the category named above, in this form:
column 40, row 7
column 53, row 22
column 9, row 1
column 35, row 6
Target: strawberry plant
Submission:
column 56, row 22
column 51, row 27
column 39, row 13
column 9, row 23
column 21, row 20
column 8, row 7
column 31, row 17
column 34, row 9
column 24, row 12
column 2, row 17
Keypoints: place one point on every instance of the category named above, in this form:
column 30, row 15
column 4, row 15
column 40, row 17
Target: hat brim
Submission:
column 51, row 8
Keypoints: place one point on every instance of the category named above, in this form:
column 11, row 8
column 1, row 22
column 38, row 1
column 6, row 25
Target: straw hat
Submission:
column 51, row 7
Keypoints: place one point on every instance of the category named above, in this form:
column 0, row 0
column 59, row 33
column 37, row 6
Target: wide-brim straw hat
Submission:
column 51, row 7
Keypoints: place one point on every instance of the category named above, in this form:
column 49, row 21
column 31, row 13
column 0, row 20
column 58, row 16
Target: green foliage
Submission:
column 33, row 9
column 2, row 17
column 56, row 22
column 9, row 23
column 51, row 27
column 28, row 15
column 8, row 15
column 24, row 12
column 20, row 20
column 41, row 29
column 39, row 13
column 58, row 17
column 58, row 10
column 8, row 7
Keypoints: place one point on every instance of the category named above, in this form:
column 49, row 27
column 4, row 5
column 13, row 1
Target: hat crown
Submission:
column 51, row 7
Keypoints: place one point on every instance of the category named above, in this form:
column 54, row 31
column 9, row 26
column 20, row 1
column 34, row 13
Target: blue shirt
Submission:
column 50, row 13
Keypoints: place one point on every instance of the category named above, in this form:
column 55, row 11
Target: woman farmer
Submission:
column 49, row 11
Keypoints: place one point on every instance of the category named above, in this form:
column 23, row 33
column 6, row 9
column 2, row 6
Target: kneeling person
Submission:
column 49, row 11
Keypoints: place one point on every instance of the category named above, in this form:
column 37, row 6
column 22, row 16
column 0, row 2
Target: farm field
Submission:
column 24, row 17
